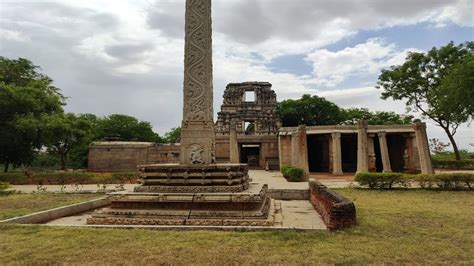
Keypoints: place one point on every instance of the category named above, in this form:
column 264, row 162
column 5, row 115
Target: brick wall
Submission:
column 337, row 211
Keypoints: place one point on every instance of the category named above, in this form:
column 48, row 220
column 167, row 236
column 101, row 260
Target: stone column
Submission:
column 387, row 168
column 233, row 145
column 371, row 150
column 336, row 154
column 197, row 135
column 410, row 153
column 362, row 153
column 423, row 148
column 299, row 152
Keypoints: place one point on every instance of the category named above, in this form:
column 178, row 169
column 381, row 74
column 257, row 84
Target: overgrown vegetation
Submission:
column 67, row 178
column 426, row 181
column 394, row 227
column 292, row 174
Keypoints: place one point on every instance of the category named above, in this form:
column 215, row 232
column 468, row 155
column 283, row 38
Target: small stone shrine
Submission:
column 197, row 191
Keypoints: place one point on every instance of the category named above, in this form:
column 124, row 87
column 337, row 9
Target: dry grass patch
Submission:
column 13, row 205
column 409, row 226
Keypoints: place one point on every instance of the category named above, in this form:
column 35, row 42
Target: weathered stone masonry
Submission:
column 337, row 211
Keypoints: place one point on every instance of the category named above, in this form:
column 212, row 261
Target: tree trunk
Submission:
column 453, row 142
column 7, row 165
column 63, row 162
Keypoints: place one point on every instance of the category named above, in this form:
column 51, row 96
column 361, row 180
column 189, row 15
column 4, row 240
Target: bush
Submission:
column 445, row 181
column 454, row 164
column 284, row 168
column 15, row 178
column 63, row 178
column 425, row 181
column 293, row 174
column 380, row 180
column 125, row 177
column 4, row 186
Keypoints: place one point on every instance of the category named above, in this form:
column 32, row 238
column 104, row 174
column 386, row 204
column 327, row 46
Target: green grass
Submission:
column 13, row 205
column 404, row 226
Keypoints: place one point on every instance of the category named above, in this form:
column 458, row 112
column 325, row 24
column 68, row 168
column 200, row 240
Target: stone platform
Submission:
column 176, row 178
column 249, row 208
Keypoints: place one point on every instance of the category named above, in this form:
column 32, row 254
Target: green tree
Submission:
column 438, row 84
column 65, row 133
column 352, row 115
column 27, row 98
column 127, row 128
column 309, row 110
column 173, row 136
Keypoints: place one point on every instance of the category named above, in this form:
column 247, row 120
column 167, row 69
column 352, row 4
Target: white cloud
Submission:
column 332, row 68
column 12, row 35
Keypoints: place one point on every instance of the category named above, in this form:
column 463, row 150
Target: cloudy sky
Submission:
column 126, row 56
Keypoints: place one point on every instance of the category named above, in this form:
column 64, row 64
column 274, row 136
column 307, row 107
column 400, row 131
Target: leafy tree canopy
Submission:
column 64, row 133
column 309, row 110
column 439, row 84
column 173, row 136
column 352, row 115
column 27, row 98
column 126, row 128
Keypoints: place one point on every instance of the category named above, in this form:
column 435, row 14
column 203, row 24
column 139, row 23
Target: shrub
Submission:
column 293, row 174
column 454, row 164
column 445, row 181
column 284, row 168
column 380, row 180
column 425, row 181
column 15, row 178
column 4, row 186
column 125, row 177
column 63, row 178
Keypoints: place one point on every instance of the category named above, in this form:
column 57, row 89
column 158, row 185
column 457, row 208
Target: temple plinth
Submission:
column 197, row 191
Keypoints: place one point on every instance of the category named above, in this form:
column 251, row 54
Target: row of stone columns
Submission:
column 365, row 149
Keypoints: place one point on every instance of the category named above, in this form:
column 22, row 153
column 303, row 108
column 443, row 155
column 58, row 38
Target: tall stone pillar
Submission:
column 371, row 153
column 233, row 145
column 387, row 168
column 336, row 154
column 362, row 149
column 423, row 148
column 299, row 152
column 197, row 133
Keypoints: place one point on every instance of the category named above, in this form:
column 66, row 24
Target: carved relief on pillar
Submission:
column 197, row 133
column 198, row 62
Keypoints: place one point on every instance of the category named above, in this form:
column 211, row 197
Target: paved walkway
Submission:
column 274, row 179
column 298, row 214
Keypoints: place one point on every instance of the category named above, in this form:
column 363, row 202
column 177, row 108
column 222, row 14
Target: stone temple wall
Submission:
column 113, row 156
column 255, row 119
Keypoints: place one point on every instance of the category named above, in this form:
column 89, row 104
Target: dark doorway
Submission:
column 378, row 155
column 250, row 154
column 349, row 152
column 396, row 150
column 318, row 153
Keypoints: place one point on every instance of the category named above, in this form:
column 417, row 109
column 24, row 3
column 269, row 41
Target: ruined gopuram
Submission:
column 196, row 191
column 247, row 125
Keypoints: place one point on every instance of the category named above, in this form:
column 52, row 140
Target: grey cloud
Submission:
column 128, row 51
column 168, row 17
column 255, row 21
column 244, row 21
